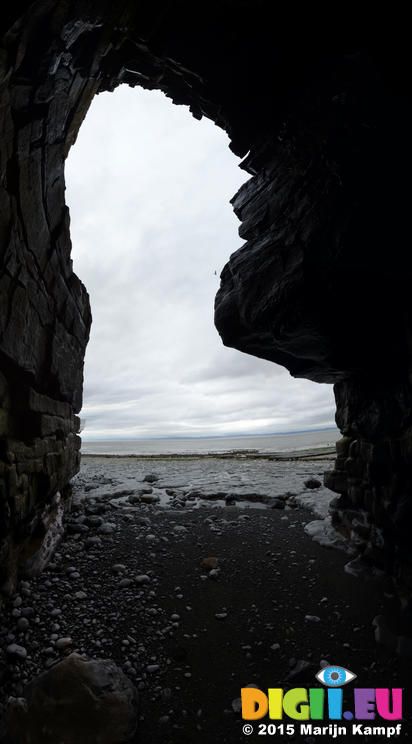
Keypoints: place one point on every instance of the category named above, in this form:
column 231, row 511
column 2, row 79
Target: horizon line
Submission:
column 210, row 436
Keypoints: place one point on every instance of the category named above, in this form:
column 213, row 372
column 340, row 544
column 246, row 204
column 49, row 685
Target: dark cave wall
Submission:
column 45, row 314
column 373, row 473
column 321, row 285
column 54, row 59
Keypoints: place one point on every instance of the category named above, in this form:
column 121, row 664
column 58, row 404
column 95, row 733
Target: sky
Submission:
column 148, row 189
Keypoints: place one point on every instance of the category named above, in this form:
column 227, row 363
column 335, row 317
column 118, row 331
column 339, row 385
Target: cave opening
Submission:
column 148, row 189
column 320, row 287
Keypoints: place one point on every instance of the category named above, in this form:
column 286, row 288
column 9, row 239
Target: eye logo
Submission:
column 335, row 676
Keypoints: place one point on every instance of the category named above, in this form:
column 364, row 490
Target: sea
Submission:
column 267, row 444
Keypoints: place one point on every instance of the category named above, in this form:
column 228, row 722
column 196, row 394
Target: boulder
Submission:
column 77, row 701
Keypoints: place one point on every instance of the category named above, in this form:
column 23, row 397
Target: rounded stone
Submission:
column 16, row 652
column 63, row 643
column 104, row 700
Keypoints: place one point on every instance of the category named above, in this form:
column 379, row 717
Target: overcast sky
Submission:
column 148, row 188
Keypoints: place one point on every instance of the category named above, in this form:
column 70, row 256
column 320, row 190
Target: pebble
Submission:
column 149, row 498
column 16, row 651
column 118, row 567
column 142, row 579
column 133, row 499
column 107, row 528
column 312, row 483
column 93, row 542
column 63, row 643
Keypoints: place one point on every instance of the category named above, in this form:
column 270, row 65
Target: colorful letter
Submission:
column 275, row 703
column 251, row 697
column 335, row 704
column 382, row 703
column 294, row 698
column 364, row 703
column 316, row 703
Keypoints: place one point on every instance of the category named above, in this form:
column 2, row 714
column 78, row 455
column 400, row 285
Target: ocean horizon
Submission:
column 259, row 443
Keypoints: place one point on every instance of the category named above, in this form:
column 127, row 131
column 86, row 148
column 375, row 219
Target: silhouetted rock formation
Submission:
column 321, row 285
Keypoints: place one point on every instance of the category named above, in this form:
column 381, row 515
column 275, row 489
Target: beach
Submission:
column 198, row 576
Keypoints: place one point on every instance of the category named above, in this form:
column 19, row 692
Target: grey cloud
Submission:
column 148, row 189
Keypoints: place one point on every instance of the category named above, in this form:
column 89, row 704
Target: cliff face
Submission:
column 321, row 285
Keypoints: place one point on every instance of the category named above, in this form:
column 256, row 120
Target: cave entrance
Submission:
column 199, row 590
column 310, row 118
column 148, row 188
